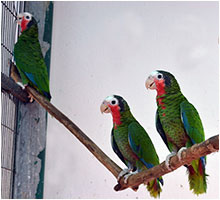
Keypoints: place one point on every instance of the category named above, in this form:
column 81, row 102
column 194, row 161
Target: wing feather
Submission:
column 116, row 149
column 192, row 122
column 142, row 145
column 160, row 130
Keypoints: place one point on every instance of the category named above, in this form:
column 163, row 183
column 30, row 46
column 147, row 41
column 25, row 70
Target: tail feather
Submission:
column 47, row 95
column 44, row 93
column 154, row 187
column 197, row 177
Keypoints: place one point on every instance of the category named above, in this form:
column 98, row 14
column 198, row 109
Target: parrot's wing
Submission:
column 30, row 61
column 192, row 122
column 141, row 145
column 160, row 129
column 115, row 148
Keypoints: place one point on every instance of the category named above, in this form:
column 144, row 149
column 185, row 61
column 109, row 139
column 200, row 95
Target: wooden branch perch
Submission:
column 188, row 155
column 82, row 137
column 192, row 153
column 9, row 86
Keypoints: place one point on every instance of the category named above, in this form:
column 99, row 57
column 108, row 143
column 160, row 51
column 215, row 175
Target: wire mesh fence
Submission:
column 9, row 35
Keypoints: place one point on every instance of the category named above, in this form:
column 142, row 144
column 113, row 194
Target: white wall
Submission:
column 104, row 48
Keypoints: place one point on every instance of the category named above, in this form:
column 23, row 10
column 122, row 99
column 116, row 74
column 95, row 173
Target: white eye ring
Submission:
column 114, row 101
column 28, row 16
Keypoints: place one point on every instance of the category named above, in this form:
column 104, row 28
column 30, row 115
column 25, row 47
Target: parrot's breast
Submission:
column 170, row 117
column 121, row 139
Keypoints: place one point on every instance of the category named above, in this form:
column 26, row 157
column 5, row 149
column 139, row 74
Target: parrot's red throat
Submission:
column 116, row 115
column 160, row 84
column 24, row 24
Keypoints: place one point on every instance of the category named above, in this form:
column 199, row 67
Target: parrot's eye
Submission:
column 27, row 17
column 114, row 102
column 159, row 76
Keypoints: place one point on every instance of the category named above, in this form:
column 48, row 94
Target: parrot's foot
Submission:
column 168, row 160
column 21, row 85
column 180, row 152
column 31, row 98
column 128, row 175
column 123, row 172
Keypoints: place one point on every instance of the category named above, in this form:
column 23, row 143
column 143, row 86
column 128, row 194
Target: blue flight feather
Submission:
column 186, row 124
column 31, row 78
column 148, row 165
column 136, row 149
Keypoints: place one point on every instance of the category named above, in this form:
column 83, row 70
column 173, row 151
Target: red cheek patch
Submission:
column 160, row 84
column 115, row 115
column 23, row 24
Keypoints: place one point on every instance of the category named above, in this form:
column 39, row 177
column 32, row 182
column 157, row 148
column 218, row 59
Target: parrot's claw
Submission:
column 123, row 172
column 168, row 160
column 180, row 152
column 23, row 87
column 128, row 175
column 31, row 98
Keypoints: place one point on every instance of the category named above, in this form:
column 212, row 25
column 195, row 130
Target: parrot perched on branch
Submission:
column 131, row 142
column 28, row 56
column 179, row 125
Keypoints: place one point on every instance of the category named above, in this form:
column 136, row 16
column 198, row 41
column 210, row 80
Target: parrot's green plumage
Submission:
column 130, row 141
column 29, row 58
column 179, row 124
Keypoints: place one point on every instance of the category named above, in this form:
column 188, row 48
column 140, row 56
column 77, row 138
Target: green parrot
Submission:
column 131, row 142
column 28, row 56
column 179, row 125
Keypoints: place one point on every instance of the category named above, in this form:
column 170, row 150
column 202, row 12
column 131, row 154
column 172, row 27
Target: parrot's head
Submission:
column 25, row 20
column 115, row 105
column 162, row 81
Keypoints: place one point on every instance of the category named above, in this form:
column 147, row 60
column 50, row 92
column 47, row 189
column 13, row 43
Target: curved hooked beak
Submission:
column 150, row 84
column 104, row 108
column 19, row 19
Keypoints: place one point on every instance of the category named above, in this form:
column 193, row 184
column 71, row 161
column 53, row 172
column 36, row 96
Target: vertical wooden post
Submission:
column 32, row 120
column 8, row 102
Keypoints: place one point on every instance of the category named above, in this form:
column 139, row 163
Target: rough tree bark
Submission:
column 192, row 153
column 9, row 86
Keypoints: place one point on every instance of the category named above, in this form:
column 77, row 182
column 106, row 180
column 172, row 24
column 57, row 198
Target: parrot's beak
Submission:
column 18, row 22
column 104, row 108
column 150, row 84
column 19, row 19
